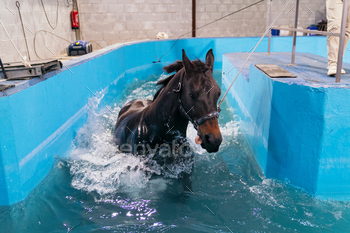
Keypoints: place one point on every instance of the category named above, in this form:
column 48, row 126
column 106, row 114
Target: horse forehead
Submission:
column 202, row 82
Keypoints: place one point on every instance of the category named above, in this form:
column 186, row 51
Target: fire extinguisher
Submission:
column 74, row 18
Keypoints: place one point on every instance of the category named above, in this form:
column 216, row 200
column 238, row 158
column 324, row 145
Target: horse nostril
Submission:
column 207, row 139
column 212, row 142
column 211, row 139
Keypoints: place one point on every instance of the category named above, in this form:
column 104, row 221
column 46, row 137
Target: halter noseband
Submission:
column 182, row 110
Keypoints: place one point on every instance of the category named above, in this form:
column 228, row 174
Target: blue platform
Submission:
column 40, row 117
column 297, row 128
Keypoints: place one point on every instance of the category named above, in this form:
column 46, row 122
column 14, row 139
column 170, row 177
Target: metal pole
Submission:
column 193, row 18
column 342, row 40
column 77, row 31
column 270, row 18
column 295, row 33
column 18, row 5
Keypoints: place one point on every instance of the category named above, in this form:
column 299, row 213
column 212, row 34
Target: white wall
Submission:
column 34, row 18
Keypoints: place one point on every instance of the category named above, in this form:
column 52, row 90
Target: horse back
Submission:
column 128, row 120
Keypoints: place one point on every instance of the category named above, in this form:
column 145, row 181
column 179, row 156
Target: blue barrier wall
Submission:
column 40, row 118
column 298, row 129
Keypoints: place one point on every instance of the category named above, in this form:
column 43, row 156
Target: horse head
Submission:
column 199, row 97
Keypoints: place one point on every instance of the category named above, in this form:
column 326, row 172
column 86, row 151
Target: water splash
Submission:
column 96, row 166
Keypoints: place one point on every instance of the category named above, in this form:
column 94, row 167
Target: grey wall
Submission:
column 33, row 20
column 310, row 12
column 250, row 22
column 111, row 21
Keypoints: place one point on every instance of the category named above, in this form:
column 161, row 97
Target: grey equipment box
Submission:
column 17, row 71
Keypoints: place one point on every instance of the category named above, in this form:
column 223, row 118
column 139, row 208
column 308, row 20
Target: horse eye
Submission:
column 192, row 96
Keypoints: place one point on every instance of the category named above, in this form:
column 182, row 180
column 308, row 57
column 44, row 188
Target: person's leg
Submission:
column 334, row 14
column 347, row 31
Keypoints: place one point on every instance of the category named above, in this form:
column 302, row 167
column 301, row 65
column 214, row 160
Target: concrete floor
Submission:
column 311, row 70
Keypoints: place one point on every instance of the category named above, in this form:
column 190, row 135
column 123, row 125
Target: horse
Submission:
column 189, row 95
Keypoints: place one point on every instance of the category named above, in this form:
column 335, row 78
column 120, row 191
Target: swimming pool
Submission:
column 91, row 191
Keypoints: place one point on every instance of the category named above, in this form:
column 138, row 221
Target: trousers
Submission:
column 334, row 10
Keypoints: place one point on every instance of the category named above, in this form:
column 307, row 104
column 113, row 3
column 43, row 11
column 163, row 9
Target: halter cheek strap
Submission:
column 207, row 117
column 182, row 110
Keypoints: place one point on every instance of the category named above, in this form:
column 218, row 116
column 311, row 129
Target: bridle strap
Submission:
column 207, row 117
column 184, row 113
column 182, row 110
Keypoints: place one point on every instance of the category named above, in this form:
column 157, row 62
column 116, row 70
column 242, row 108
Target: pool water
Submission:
column 92, row 190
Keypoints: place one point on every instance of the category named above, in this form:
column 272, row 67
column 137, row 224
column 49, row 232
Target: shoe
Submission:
column 333, row 71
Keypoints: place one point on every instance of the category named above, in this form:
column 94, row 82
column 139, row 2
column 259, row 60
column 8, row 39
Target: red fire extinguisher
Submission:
column 74, row 18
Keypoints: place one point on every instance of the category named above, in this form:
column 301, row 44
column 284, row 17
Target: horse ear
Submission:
column 187, row 63
column 209, row 59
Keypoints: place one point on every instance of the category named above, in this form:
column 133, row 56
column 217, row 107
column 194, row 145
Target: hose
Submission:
column 47, row 32
column 48, row 18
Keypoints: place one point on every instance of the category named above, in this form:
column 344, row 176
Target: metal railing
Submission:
column 341, row 35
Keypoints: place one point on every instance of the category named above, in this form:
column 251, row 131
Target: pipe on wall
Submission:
column 193, row 18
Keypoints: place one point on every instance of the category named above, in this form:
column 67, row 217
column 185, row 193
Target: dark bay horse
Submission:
column 191, row 94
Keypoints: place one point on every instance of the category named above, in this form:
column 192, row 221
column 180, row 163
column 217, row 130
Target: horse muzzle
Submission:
column 209, row 135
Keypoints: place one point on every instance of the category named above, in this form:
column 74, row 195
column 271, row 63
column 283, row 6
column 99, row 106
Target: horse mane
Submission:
column 199, row 66
column 176, row 66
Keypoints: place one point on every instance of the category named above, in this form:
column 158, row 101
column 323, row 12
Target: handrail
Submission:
column 341, row 35
column 308, row 31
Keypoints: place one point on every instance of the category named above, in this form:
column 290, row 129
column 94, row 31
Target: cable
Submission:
column 48, row 18
column 207, row 25
column 24, row 34
column 96, row 43
column 50, row 33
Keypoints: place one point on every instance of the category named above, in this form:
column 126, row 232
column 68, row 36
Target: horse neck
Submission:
column 164, row 109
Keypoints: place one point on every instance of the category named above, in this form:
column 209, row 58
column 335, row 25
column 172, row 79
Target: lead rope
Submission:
column 267, row 31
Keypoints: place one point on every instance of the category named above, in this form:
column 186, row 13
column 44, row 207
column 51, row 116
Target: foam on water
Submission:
column 95, row 165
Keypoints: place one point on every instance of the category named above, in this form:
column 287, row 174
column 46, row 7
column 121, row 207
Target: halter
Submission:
column 182, row 110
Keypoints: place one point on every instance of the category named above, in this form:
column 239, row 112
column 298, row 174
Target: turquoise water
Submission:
column 92, row 191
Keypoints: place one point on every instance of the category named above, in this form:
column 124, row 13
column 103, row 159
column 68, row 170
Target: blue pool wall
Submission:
column 297, row 132
column 41, row 117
